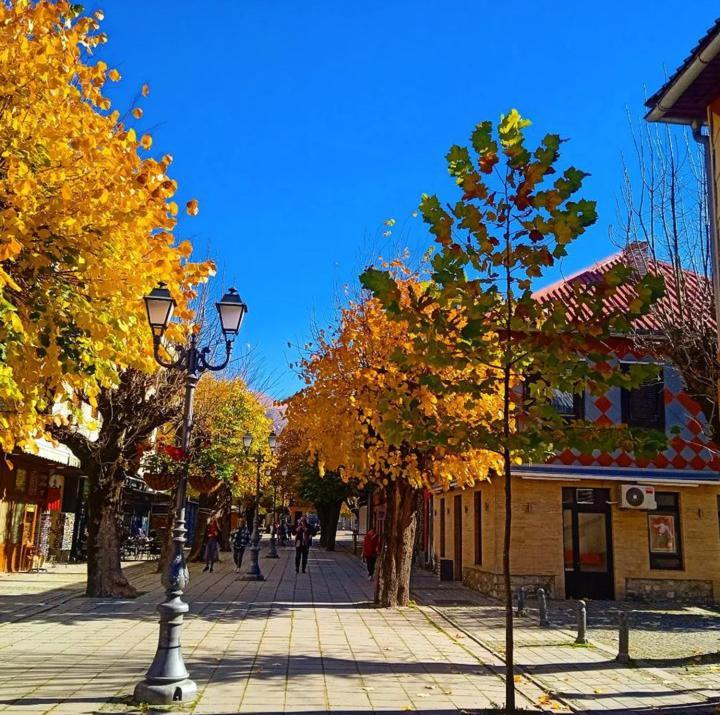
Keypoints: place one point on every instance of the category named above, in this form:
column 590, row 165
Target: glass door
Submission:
column 587, row 545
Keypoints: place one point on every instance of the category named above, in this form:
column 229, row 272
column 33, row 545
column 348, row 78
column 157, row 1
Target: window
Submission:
column 664, row 532
column 644, row 406
column 570, row 406
column 442, row 528
column 478, row 528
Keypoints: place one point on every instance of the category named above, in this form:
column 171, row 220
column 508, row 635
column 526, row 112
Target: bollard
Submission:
column 582, row 624
column 355, row 535
column 544, row 621
column 623, row 655
column 521, row 601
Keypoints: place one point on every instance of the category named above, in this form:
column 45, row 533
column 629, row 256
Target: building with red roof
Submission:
column 606, row 525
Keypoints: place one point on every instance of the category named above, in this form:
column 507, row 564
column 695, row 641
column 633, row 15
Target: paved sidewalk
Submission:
column 305, row 643
column 584, row 677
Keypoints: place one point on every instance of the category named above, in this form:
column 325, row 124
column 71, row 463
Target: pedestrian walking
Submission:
column 240, row 539
column 282, row 533
column 212, row 544
column 371, row 549
column 303, row 541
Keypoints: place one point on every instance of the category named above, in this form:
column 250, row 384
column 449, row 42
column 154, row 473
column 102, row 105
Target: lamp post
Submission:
column 166, row 681
column 272, row 552
column 259, row 457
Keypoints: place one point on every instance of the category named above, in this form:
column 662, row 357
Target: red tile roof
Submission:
column 667, row 310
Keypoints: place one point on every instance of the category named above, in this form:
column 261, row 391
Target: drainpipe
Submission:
column 704, row 139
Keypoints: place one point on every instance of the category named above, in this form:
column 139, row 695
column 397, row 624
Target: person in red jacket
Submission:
column 371, row 549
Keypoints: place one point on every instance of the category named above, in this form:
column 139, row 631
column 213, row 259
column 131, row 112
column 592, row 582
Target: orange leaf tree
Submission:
column 352, row 412
column 511, row 224
column 86, row 221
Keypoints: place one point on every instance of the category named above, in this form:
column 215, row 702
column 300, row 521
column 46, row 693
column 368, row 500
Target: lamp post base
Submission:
column 272, row 551
column 254, row 573
column 181, row 691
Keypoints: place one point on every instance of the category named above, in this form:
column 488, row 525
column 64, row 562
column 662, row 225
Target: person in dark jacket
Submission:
column 303, row 541
column 240, row 540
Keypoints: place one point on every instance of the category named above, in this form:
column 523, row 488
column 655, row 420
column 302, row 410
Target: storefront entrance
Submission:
column 587, row 543
column 458, row 534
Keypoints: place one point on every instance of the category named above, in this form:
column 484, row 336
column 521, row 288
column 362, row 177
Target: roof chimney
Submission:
column 637, row 256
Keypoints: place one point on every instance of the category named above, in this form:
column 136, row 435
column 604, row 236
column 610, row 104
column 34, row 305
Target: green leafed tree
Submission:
column 515, row 218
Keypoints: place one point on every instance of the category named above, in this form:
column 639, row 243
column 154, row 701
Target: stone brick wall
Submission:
column 491, row 584
column 665, row 589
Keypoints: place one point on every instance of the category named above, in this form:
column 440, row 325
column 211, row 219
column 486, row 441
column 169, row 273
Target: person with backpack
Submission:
column 303, row 541
column 240, row 540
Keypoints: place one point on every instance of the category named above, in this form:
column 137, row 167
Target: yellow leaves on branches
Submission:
column 224, row 410
column 353, row 410
column 85, row 222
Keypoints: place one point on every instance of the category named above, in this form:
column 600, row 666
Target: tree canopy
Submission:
column 86, row 221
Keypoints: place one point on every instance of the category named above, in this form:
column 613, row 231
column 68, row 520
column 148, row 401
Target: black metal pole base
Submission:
column 254, row 573
column 181, row 691
column 272, row 551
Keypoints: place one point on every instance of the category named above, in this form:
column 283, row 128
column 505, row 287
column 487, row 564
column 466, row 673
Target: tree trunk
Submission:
column 395, row 562
column 332, row 525
column 323, row 512
column 196, row 550
column 509, row 625
column 105, row 577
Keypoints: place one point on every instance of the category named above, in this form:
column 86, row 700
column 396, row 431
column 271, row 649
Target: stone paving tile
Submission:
column 292, row 643
column 587, row 678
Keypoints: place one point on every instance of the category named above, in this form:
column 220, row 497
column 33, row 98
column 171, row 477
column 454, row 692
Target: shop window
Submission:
column 664, row 532
column 442, row 528
column 644, row 406
column 478, row 528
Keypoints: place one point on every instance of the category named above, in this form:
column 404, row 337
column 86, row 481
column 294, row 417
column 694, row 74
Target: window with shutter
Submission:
column 644, row 406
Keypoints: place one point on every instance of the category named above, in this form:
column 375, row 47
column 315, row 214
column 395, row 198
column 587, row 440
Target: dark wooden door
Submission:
column 587, row 543
column 458, row 544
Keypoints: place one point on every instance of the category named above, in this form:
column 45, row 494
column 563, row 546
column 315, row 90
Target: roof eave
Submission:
column 663, row 101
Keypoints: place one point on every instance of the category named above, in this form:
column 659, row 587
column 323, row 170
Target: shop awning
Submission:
column 58, row 454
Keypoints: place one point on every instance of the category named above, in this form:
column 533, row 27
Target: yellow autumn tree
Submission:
column 225, row 409
column 86, row 221
column 349, row 411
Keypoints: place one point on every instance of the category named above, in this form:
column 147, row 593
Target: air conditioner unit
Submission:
column 636, row 496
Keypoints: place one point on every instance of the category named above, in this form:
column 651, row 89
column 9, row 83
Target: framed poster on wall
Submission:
column 663, row 533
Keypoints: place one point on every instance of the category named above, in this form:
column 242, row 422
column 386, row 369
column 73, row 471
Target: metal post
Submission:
column 520, row 601
column 272, row 553
column 623, row 655
column 254, row 573
column 544, row 621
column 582, row 624
column 355, row 541
column 166, row 680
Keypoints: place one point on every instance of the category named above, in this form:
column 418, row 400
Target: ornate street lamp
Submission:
column 272, row 551
column 166, row 681
column 259, row 457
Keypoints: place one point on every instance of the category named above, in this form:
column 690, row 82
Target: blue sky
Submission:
column 302, row 126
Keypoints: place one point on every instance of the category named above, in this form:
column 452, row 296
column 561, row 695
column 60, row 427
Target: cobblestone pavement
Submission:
column 586, row 677
column 305, row 643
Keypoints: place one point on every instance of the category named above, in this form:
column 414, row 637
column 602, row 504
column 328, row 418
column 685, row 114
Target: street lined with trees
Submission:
column 438, row 373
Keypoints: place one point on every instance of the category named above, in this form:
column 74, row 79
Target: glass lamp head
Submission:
column 231, row 310
column 160, row 306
